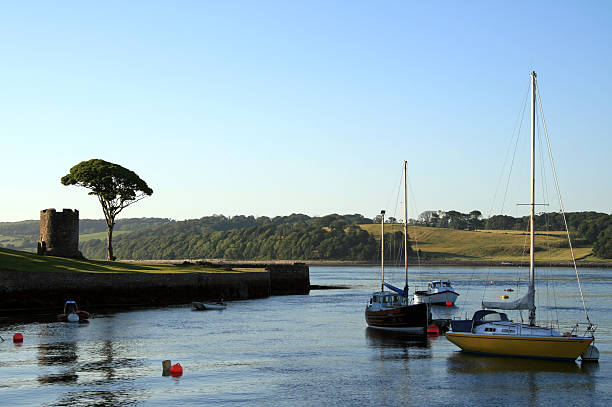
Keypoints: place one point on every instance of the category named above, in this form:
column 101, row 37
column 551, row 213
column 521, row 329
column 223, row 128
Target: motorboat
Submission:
column 72, row 313
column 439, row 292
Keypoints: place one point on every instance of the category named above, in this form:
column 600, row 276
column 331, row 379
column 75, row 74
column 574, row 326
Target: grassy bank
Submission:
column 14, row 260
column 488, row 245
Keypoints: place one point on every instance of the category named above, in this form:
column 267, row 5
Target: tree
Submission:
column 115, row 186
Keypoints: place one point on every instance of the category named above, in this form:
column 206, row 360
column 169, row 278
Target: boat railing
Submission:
column 589, row 329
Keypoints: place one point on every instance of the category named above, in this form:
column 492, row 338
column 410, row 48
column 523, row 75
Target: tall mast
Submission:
column 382, row 249
column 532, row 203
column 405, row 231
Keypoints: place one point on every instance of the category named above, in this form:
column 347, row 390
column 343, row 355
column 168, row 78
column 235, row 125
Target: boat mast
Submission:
column 405, row 232
column 532, row 204
column 382, row 249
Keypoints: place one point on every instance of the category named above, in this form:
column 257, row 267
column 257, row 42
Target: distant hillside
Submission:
column 23, row 235
column 331, row 237
column 487, row 245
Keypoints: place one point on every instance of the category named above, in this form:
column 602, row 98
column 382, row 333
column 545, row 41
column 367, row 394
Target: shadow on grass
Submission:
column 24, row 261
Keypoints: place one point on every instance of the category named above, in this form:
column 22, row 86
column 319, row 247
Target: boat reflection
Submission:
column 392, row 339
column 62, row 354
column 462, row 362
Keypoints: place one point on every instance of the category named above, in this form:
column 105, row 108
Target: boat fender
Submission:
column 433, row 330
column 591, row 354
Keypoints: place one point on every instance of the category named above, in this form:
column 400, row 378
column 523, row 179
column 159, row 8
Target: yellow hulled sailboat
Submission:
column 492, row 333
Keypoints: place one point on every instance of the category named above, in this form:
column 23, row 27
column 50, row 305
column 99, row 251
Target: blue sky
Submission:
column 272, row 108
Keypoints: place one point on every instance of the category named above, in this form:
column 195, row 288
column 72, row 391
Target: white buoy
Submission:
column 591, row 354
column 73, row 317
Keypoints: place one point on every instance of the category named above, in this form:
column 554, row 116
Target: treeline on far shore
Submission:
column 297, row 237
column 331, row 237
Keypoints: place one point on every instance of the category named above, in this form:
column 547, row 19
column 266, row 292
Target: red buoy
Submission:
column 18, row 337
column 449, row 303
column 433, row 330
column 176, row 370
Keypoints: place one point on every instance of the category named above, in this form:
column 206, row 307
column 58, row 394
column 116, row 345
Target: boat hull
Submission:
column 436, row 298
column 205, row 306
column 408, row 318
column 553, row 347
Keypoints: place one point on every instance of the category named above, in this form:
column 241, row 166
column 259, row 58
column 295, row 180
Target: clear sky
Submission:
column 279, row 107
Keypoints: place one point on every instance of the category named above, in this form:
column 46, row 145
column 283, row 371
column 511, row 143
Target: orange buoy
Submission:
column 18, row 337
column 433, row 330
column 504, row 297
column 176, row 370
column 449, row 303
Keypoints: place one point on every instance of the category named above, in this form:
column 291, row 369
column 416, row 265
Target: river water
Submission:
column 305, row 350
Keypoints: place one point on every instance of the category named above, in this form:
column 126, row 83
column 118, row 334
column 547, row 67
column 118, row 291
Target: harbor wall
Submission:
column 39, row 290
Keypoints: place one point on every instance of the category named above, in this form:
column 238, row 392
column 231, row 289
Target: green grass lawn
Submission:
column 491, row 245
column 15, row 260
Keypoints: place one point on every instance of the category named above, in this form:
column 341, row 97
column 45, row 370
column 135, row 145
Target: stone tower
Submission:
column 59, row 233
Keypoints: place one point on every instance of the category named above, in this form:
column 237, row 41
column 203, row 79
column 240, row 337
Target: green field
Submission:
column 491, row 245
column 14, row 260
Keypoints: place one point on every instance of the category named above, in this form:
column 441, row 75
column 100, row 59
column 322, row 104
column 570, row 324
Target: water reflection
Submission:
column 461, row 362
column 93, row 368
column 393, row 339
column 527, row 381
column 63, row 354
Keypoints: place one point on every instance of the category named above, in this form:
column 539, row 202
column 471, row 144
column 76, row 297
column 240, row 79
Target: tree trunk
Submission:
column 109, row 242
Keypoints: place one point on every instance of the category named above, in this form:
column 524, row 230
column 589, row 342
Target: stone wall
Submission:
column 59, row 233
column 49, row 290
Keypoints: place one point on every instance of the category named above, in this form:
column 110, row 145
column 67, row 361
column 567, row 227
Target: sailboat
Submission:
column 392, row 310
column 491, row 332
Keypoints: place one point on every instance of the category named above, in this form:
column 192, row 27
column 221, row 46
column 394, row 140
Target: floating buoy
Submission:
column 491, row 281
column 504, row 297
column 18, row 337
column 176, row 370
column 433, row 330
column 509, row 290
column 449, row 303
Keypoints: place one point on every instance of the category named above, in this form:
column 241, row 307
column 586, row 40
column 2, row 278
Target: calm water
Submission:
column 302, row 350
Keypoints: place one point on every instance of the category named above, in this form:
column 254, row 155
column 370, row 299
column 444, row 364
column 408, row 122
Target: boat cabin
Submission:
column 387, row 299
column 480, row 317
column 439, row 284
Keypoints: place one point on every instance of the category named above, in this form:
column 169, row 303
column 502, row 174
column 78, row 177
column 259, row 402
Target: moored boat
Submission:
column 392, row 310
column 207, row 306
column 439, row 292
column 72, row 313
column 492, row 333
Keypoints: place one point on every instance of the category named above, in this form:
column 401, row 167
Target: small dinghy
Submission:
column 72, row 313
column 207, row 306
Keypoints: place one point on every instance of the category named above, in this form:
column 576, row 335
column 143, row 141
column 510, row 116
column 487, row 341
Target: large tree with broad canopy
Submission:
column 115, row 187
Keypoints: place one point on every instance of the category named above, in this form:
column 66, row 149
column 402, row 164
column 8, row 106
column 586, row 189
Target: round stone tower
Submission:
column 59, row 233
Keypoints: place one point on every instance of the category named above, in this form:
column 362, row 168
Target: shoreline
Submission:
column 344, row 263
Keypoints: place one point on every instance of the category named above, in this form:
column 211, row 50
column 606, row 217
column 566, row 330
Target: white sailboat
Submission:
column 491, row 332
